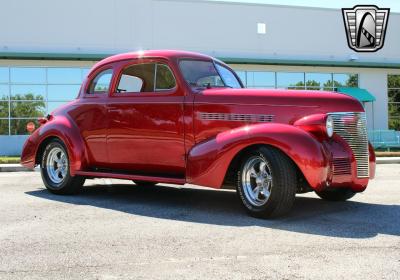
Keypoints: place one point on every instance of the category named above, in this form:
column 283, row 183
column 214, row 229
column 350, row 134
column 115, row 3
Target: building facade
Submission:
column 49, row 46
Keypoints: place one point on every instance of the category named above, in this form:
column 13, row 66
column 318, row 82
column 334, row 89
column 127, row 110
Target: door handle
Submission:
column 114, row 109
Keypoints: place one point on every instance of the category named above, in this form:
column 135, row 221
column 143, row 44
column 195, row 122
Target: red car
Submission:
column 180, row 117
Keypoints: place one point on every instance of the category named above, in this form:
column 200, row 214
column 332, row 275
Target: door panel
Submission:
column 145, row 134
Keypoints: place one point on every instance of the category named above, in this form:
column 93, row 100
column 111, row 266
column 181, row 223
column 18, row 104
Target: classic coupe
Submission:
column 180, row 117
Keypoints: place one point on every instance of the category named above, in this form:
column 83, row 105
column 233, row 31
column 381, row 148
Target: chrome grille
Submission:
column 352, row 127
column 341, row 166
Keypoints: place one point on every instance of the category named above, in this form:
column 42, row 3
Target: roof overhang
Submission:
column 361, row 94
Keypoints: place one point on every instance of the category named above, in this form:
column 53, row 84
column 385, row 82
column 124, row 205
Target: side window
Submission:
column 148, row 77
column 137, row 78
column 164, row 78
column 101, row 83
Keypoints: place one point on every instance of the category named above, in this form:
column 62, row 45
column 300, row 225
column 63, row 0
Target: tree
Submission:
column 22, row 106
column 299, row 85
column 310, row 84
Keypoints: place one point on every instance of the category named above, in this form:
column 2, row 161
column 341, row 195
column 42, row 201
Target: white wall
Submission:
column 218, row 28
column 376, row 83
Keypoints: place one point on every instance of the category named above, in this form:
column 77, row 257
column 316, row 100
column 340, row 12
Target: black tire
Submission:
column 145, row 183
column 282, row 184
column 336, row 194
column 68, row 184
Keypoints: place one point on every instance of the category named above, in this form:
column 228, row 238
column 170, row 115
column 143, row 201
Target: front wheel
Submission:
column 55, row 170
column 266, row 183
column 336, row 194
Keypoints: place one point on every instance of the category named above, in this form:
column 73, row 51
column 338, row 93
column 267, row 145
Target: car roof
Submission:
column 167, row 54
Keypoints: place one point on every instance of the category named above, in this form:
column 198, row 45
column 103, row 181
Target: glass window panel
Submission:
column 212, row 80
column 290, row 80
column 199, row 73
column 164, row 78
column 18, row 126
column 227, row 76
column 3, row 127
column 242, row 76
column 84, row 73
column 51, row 106
column 3, row 109
column 345, row 80
column 128, row 83
column 62, row 92
column 260, row 79
column 28, row 92
column 64, row 75
column 4, row 92
column 101, row 83
column 394, row 95
column 28, row 75
column 28, row 109
column 394, row 116
column 352, row 81
column 318, row 80
column 393, row 81
column 137, row 78
column 4, row 75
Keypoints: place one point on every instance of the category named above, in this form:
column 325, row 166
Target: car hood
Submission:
column 321, row 101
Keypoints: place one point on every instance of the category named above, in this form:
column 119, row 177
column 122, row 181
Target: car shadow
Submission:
column 309, row 215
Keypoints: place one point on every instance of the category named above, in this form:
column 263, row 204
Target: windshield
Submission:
column 201, row 73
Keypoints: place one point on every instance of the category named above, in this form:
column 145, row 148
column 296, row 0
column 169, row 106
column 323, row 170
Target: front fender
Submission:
column 208, row 161
column 63, row 128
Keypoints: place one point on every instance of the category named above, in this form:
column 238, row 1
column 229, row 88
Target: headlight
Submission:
column 329, row 126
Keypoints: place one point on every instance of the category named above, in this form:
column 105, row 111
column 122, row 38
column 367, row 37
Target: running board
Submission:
column 169, row 180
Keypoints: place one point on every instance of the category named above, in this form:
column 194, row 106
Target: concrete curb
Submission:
column 387, row 160
column 20, row 168
column 13, row 168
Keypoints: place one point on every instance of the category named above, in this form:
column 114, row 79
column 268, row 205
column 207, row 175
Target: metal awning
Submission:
column 361, row 94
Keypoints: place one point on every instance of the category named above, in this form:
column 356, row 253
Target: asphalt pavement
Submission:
column 116, row 230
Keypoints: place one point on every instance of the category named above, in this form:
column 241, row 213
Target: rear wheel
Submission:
column 266, row 183
column 55, row 170
column 145, row 183
column 336, row 194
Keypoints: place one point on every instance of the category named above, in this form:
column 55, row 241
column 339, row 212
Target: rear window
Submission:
column 101, row 83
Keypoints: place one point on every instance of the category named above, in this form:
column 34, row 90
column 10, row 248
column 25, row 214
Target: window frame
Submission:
column 124, row 65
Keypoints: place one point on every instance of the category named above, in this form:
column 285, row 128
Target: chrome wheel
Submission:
column 57, row 165
column 257, row 180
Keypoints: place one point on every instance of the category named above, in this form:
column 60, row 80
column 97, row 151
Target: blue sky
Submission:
column 394, row 5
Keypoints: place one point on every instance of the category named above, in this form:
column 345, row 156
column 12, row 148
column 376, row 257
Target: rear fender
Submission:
column 208, row 161
column 63, row 128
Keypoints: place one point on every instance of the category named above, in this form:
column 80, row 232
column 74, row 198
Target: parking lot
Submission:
column 125, row 231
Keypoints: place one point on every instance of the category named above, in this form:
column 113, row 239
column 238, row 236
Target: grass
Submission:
column 387, row 154
column 9, row 159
